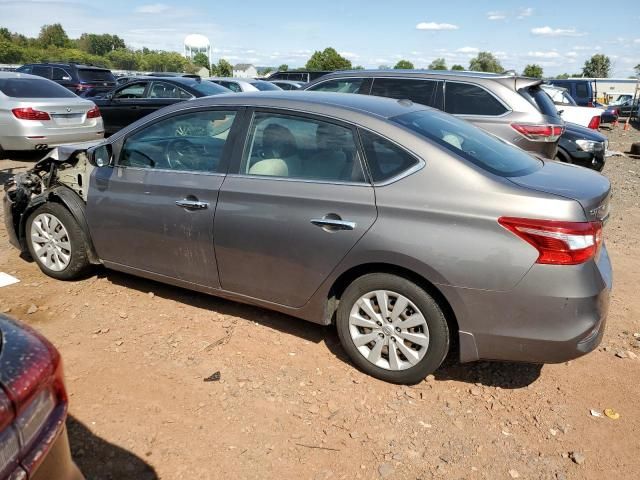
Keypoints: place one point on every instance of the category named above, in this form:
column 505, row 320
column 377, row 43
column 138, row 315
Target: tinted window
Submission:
column 59, row 74
column 304, row 148
column 24, row 69
column 208, row 88
column 264, row 86
column 33, row 88
column 342, row 85
column 189, row 142
column 465, row 99
column 582, row 91
column 539, row 98
column 168, row 90
column 385, row 159
column 42, row 71
column 471, row 143
column 87, row 75
column 133, row 90
column 419, row 91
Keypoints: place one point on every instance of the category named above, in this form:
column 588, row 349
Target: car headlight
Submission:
column 586, row 145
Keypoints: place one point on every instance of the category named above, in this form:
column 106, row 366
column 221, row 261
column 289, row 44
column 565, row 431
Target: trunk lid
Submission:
column 585, row 186
column 64, row 112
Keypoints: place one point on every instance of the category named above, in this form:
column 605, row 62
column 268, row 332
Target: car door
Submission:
column 121, row 107
column 153, row 210
column 162, row 94
column 415, row 89
column 64, row 78
column 297, row 203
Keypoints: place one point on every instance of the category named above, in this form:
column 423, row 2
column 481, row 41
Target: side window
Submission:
column 465, row 99
column 59, row 74
column 303, row 148
column 418, row 91
column 168, row 90
column 581, row 90
column 24, row 69
column 385, row 159
column 42, row 71
column 340, row 85
column 135, row 90
column 233, row 86
column 189, row 142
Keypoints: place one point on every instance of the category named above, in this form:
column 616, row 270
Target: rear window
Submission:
column 471, row 143
column 466, row 99
column 264, row 86
column 33, row 88
column 208, row 88
column 89, row 75
column 539, row 98
column 418, row 91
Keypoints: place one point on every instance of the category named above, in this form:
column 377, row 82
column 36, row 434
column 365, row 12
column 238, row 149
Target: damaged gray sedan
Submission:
column 415, row 233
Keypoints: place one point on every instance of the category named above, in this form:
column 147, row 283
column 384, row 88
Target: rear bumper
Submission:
column 58, row 463
column 50, row 139
column 555, row 314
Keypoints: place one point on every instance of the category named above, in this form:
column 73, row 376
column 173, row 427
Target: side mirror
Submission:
column 100, row 156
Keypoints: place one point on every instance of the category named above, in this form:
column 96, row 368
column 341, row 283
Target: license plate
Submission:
column 70, row 119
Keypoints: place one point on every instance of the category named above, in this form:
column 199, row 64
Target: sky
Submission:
column 559, row 36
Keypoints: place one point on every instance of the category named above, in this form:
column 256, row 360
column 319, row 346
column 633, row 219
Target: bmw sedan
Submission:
column 33, row 407
column 412, row 231
column 37, row 114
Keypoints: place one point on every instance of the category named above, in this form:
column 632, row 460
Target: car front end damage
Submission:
column 61, row 176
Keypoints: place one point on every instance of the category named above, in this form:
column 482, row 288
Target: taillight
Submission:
column 9, row 440
column 557, row 242
column 595, row 122
column 94, row 113
column 30, row 114
column 539, row 133
column 590, row 103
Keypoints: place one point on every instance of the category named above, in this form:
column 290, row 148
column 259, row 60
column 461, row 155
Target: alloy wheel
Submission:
column 50, row 241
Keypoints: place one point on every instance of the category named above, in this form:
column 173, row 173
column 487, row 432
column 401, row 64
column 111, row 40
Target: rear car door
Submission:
column 297, row 203
column 417, row 90
column 153, row 210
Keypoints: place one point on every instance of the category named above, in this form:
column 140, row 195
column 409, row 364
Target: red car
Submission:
column 33, row 408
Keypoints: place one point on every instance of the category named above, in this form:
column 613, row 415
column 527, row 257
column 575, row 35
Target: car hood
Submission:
column 65, row 152
column 587, row 187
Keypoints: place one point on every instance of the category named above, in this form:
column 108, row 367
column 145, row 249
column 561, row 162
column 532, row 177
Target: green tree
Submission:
column 403, row 65
column 597, row 66
column 485, row 62
column 53, row 36
column 532, row 70
column 10, row 53
column 563, row 76
column 200, row 59
column 283, row 68
column 438, row 64
column 224, row 68
column 457, row 67
column 384, row 67
column 328, row 59
column 5, row 34
column 99, row 44
column 358, row 67
column 124, row 59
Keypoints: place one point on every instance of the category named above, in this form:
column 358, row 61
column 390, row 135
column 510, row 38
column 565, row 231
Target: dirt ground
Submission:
column 289, row 405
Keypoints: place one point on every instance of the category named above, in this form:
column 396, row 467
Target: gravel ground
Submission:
column 288, row 404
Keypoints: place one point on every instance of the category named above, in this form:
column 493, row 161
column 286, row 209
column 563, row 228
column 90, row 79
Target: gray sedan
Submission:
column 415, row 233
column 36, row 113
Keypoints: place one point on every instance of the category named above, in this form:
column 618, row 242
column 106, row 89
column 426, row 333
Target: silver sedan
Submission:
column 37, row 114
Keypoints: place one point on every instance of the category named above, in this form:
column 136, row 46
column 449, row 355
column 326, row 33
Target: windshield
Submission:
column 208, row 88
column 92, row 75
column 471, row 143
column 33, row 88
column 264, row 86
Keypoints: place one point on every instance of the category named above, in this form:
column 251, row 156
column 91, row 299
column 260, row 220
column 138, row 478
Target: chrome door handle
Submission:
column 333, row 224
column 192, row 204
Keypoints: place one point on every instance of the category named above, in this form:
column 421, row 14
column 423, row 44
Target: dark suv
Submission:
column 83, row 80
column 513, row 108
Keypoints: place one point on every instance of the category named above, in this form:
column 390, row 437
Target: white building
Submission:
column 245, row 70
column 196, row 43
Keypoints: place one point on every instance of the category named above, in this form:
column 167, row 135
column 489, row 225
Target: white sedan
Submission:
column 38, row 114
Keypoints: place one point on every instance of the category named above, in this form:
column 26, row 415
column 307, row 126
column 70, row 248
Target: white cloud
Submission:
column 436, row 26
column 550, row 54
column 496, row 16
column 468, row 50
column 349, row 55
column 571, row 54
column 556, row 32
column 152, row 8
column 637, row 40
column 525, row 12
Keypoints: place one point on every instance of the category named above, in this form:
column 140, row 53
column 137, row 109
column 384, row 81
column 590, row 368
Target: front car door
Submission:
column 121, row 108
column 152, row 212
column 297, row 203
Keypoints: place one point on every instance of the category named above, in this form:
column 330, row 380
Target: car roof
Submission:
column 70, row 64
column 327, row 103
column 418, row 72
column 234, row 79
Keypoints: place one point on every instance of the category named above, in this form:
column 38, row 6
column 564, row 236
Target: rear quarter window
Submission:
column 385, row 159
column 467, row 99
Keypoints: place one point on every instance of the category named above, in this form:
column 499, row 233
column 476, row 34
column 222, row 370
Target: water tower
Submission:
column 196, row 43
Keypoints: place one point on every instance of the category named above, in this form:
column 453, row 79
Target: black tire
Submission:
column 439, row 335
column 79, row 263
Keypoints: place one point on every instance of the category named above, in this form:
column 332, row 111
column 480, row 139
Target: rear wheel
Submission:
column 391, row 328
column 56, row 242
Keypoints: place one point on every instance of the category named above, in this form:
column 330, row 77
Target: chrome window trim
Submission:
column 301, row 180
column 168, row 170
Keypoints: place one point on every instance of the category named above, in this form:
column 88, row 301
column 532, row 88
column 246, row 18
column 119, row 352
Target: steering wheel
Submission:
column 180, row 153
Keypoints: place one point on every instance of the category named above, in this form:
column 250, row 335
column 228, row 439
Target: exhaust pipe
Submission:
column 42, row 146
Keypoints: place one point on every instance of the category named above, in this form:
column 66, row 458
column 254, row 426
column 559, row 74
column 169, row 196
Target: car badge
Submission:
column 68, row 110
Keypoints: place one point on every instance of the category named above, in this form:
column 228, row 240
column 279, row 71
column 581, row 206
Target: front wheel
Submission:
column 56, row 242
column 392, row 329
